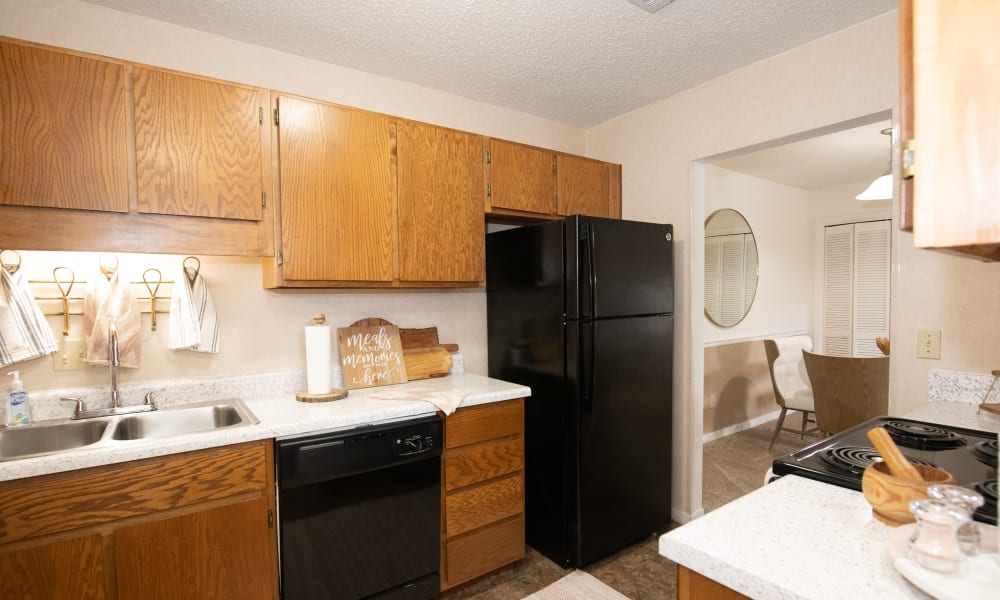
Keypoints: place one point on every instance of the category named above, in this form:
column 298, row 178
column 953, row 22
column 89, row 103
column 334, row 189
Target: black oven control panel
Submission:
column 414, row 444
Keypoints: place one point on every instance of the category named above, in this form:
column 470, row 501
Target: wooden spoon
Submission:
column 898, row 464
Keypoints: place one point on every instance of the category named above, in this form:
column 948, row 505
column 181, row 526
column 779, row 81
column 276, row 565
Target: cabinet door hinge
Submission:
column 489, row 157
column 909, row 157
column 276, row 117
column 489, row 191
column 260, row 114
column 263, row 199
column 270, row 518
column 281, row 258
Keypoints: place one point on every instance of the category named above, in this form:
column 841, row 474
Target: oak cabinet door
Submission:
column 441, row 217
column 225, row 552
column 521, row 178
column 337, row 188
column 955, row 115
column 198, row 146
column 583, row 186
column 64, row 570
column 62, row 130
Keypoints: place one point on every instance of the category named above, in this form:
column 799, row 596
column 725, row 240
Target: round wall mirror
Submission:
column 730, row 267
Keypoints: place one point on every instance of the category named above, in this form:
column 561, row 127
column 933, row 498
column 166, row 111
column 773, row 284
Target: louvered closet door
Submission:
column 750, row 274
column 855, row 288
column 871, row 286
column 732, row 282
column 713, row 270
column 838, row 258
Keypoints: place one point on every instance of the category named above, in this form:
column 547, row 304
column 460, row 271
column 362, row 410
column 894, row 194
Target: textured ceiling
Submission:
column 579, row 62
column 857, row 154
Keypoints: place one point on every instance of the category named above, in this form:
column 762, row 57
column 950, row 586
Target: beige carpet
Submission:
column 577, row 586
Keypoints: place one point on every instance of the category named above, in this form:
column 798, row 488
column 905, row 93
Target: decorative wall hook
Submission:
column 191, row 272
column 106, row 268
column 10, row 267
column 64, row 293
column 153, row 286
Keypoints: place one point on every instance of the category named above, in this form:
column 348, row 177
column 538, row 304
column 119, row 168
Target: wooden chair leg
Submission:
column 805, row 420
column 781, row 419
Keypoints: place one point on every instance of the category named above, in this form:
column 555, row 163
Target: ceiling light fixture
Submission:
column 881, row 188
column 651, row 5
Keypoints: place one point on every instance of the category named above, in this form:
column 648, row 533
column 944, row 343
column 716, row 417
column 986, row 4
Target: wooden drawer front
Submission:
column 484, row 422
column 478, row 463
column 67, row 501
column 472, row 508
column 485, row 551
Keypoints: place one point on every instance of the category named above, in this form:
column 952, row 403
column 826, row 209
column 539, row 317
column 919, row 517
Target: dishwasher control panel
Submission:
column 414, row 444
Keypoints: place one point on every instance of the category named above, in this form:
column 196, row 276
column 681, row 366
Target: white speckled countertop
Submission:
column 278, row 412
column 799, row 539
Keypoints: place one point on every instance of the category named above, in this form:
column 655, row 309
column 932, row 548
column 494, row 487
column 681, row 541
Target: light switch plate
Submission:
column 69, row 356
column 929, row 343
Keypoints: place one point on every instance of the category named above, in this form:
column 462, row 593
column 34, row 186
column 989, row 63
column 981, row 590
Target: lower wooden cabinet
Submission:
column 193, row 525
column 692, row 585
column 482, row 492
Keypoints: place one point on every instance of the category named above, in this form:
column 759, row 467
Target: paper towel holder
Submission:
column 334, row 393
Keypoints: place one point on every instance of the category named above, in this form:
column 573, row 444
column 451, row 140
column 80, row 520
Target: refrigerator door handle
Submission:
column 592, row 272
column 588, row 355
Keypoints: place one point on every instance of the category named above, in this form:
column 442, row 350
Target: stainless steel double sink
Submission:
column 51, row 437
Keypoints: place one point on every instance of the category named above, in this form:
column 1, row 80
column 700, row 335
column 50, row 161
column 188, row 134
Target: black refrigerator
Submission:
column 581, row 311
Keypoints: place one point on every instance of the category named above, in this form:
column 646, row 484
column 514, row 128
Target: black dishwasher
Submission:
column 359, row 512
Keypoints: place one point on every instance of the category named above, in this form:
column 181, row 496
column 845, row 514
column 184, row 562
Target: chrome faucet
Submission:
column 115, row 361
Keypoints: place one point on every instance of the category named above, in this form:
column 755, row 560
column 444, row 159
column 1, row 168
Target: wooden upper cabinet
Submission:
column 337, row 192
column 521, row 178
column 583, row 186
column 62, row 130
column 956, row 123
column 198, row 145
column 440, row 186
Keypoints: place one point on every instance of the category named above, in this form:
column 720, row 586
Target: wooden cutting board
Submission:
column 423, row 356
column 422, row 363
column 423, row 338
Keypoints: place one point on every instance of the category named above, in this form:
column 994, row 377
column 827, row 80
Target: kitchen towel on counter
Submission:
column 106, row 302
column 446, row 400
column 194, row 324
column 24, row 332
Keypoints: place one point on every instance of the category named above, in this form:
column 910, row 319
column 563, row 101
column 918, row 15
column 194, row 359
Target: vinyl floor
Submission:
column 733, row 466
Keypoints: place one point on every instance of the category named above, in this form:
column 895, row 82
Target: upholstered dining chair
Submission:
column 847, row 390
column 792, row 390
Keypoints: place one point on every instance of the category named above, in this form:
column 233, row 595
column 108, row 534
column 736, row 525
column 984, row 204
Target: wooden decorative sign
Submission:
column 371, row 355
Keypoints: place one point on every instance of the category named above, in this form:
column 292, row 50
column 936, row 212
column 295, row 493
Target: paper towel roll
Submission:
column 318, row 359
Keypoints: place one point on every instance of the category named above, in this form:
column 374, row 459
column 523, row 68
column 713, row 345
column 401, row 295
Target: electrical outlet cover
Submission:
column 69, row 356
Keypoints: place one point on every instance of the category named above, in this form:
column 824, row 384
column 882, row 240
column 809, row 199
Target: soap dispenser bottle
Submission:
column 18, row 410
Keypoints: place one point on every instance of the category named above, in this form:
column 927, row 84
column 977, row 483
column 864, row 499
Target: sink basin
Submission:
column 187, row 418
column 31, row 440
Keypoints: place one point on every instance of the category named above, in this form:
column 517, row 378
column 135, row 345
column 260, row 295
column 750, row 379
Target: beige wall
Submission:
column 841, row 77
column 777, row 214
column 262, row 330
column 738, row 382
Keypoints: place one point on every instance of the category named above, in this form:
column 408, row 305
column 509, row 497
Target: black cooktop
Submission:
column 969, row 455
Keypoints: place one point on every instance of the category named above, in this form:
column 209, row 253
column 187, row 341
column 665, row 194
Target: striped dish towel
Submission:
column 104, row 303
column 194, row 324
column 24, row 332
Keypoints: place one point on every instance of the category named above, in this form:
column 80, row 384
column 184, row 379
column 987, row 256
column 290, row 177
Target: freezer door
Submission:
column 618, row 268
column 624, row 436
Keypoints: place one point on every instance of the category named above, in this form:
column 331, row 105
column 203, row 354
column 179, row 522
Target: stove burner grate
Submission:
column 988, row 489
column 854, row 459
column 923, row 436
column 986, row 452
